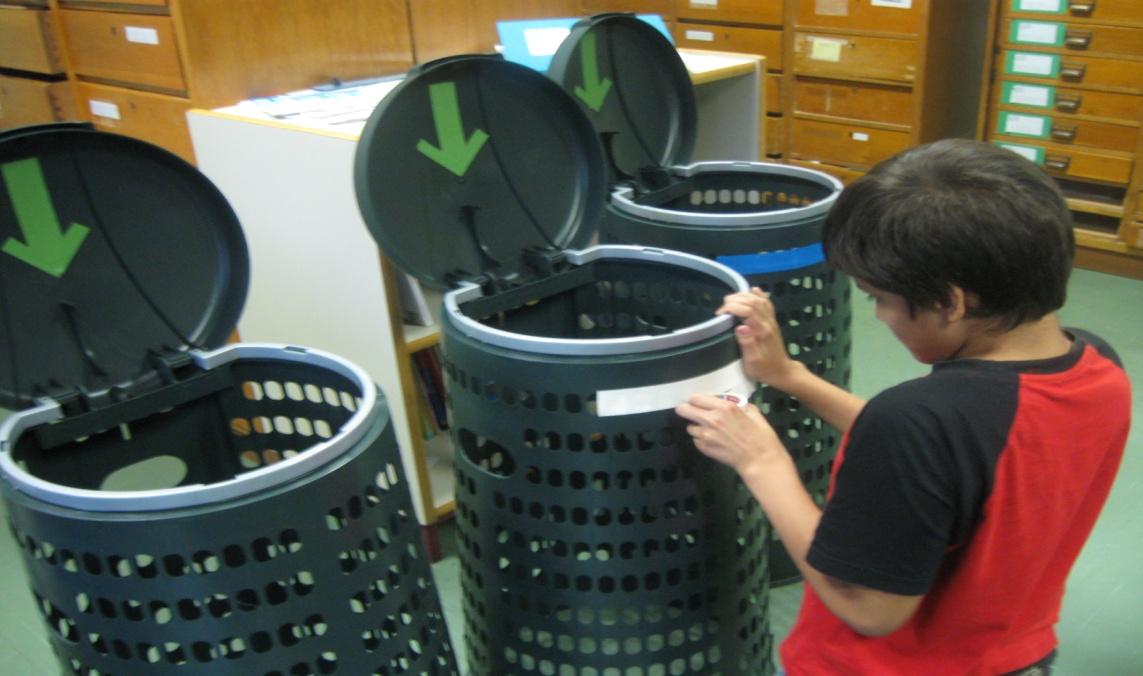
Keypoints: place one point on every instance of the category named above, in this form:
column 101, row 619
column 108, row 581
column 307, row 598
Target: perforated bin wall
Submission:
column 601, row 544
column 318, row 572
column 764, row 221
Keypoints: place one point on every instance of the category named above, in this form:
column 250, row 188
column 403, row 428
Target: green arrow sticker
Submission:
column 454, row 152
column 594, row 91
column 46, row 246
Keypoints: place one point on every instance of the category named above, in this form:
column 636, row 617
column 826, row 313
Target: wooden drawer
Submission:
column 116, row 3
column 854, row 101
column 1081, row 71
column 775, row 135
column 854, row 56
column 27, row 41
column 1108, row 106
column 774, row 88
column 1092, row 165
column 26, row 101
column 131, row 48
column 157, row 118
column 845, row 144
column 846, row 176
column 1091, row 39
column 762, row 41
column 1117, row 12
column 663, row 8
column 1063, row 130
column 861, row 15
column 734, row 11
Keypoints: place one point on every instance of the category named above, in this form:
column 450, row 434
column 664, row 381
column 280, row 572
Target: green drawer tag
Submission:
column 1020, row 124
column 1033, row 64
column 1032, row 153
column 1037, row 33
column 1045, row 6
column 1034, row 96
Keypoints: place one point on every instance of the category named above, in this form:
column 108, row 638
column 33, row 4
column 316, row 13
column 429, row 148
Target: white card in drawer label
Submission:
column 826, row 49
column 1031, row 153
column 704, row 3
column 897, row 4
column 103, row 109
column 705, row 36
column 859, row 136
column 1025, row 125
column 142, row 36
column 1037, row 33
column 1053, row 6
column 1029, row 63
column 1037, row 96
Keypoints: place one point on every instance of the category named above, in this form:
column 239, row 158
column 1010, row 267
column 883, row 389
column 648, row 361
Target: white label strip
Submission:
column 1038, row 32
column 899, row 4
column 705, row 36
column 1024, row 151
column 1030, row 125
column 1030, row 95
column 729, row 379
column 704, row 3
column 103, row 109
column 1033, row 64
column 143, row 36
column 859, row 136
column 826, row 49
column 1040, row 5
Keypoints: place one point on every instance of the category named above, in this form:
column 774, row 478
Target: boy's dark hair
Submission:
column 957, row 212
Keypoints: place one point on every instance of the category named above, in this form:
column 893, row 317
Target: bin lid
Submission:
column 471, row 162
column 635, row 89
column 112, row 251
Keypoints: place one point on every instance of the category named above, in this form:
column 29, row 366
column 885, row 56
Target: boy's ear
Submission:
column 958, row 305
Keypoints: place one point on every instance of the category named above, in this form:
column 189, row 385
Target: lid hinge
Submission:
column 544, row 262
column 180, row 380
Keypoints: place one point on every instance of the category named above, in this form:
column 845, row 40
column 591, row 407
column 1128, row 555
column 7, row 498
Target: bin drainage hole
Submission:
column 163, row 471
column 486, row 454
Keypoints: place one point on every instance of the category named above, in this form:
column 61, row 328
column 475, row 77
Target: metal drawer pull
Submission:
column 1067, row 134
column 1069, row 105
column 1082, row 8
column 1078, row 39
column 1073, row 73
column 1057, row 163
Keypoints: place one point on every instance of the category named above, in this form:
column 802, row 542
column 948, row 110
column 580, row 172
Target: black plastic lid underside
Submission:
column 162, row 266
column 646, row 115
column 530, row 173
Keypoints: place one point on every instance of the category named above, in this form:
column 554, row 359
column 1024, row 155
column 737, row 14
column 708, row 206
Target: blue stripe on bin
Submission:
column 777, row 261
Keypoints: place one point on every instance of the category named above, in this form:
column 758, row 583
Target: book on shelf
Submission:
column 430, row 382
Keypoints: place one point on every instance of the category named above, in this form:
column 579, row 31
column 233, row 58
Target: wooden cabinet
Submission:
column 33, row 70
column 1065, row 89
column 869, row 78
column 136, row 66
column 747, row 26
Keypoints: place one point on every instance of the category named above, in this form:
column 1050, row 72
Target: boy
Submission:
column 960, row 500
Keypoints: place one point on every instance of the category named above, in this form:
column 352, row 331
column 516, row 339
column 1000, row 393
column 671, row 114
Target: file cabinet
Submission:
column 33, row 73
column 869, row 78
column 136, row 66
column 1065, row 89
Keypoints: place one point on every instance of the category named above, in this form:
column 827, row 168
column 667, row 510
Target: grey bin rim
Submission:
column 714, row 326
column 622, row 198
column 198, row 494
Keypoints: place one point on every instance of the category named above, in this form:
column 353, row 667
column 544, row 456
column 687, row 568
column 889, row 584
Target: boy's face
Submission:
column 927, row 333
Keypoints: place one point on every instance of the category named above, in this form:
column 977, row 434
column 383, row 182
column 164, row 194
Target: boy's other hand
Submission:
column 759, row 336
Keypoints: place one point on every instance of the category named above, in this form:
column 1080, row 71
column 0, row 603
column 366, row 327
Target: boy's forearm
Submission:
column 836, row 406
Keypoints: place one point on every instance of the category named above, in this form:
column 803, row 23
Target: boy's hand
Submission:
column 738, row 436
column 764, row 356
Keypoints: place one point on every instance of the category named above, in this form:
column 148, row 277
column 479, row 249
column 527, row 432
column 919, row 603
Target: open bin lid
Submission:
column 471, row 162
column 635, row 89
column 112, row 251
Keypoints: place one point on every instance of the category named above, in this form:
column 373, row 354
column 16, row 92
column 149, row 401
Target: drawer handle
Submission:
column 1065, row 134
column 1069, row 105
column 1073, row 73
column 1056, row 163
column 1078, row 39
column 1082, row 8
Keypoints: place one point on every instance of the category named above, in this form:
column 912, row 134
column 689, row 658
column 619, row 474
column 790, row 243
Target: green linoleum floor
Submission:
column 1101, row 626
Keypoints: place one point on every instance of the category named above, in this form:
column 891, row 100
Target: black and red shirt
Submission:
column 976, row 486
